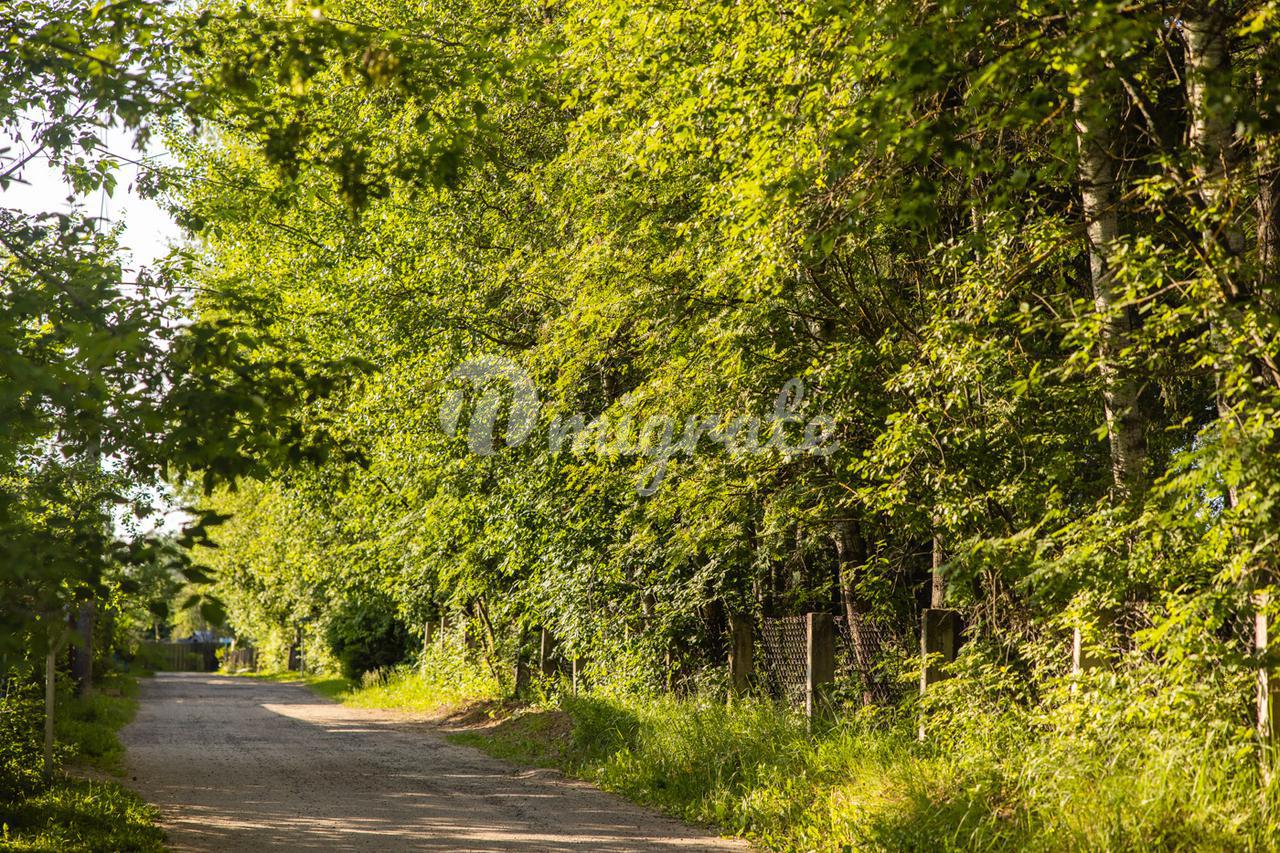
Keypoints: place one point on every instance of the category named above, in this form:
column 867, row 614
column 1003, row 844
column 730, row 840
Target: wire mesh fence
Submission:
column 861, row 650
column 783, row 659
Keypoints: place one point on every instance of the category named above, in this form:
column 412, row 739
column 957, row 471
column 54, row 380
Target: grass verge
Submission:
column 77, row 814
column 81, row 815
column 444, row 682
column 752, row 769
column 330, row 686
column 1117, row 767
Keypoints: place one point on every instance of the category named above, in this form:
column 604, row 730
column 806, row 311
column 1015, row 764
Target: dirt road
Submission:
column 237, row 764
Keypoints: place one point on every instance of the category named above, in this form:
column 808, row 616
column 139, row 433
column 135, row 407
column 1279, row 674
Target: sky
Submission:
column 148, row 229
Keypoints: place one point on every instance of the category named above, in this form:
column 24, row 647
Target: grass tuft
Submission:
column 76, row 814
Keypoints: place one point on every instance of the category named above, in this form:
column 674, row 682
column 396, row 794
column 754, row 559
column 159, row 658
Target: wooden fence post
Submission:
column 820, row 654
column 741, row 655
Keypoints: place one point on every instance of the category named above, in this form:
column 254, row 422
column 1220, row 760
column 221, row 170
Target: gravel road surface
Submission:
column 237, row 764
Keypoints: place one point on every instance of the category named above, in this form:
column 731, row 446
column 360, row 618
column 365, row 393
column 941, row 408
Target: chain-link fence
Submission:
column 783, row 658
column 861, row 650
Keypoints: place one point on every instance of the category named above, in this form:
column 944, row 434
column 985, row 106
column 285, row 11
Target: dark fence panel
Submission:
column 782, row 663
column 179, row 657
column 241, row 659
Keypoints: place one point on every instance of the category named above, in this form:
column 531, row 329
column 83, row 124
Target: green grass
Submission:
column 89, row 724
column 532, row 737
column 330, row 686
column 447, row 681
column 752, row 769
column 72, row 814
column 79, row 815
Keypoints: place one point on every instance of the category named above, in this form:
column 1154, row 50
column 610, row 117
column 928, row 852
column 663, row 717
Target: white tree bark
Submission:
column 1126, row 430
column 1211, row 136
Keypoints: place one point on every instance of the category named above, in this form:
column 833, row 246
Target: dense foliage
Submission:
column 109, row 387
column 1022, row 255
column 866, row 307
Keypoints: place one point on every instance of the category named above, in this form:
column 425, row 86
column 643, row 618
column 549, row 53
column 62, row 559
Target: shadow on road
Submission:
column 240, row 764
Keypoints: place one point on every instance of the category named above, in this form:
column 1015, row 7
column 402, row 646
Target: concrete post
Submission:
column 1089, row 648
column 820, row 648
column 940, row 639
column 940, row 636
column 575, row 673
column 1081, row 658
column 50, row 674
column 521, row 687
column 522, row 677
column 1268, row 688
column 741, row 655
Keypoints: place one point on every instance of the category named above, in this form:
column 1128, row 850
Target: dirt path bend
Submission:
column 237, row 764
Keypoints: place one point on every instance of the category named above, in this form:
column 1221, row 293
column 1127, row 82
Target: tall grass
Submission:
column 1002, row 779
column 443, row 679
column 88, row 724
column 1128, row 760
column 68, row 813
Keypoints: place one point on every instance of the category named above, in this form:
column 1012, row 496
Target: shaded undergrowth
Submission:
column 69, row 813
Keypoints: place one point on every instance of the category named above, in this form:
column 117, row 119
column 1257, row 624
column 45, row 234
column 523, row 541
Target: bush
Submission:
column 149, row 657
column 445, row 677
column 365, row 635
column 21, row 739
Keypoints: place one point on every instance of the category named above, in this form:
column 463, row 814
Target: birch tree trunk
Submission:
column 1095, row 133
column 1211, row 135
column 851, row 557
column 1212, row 125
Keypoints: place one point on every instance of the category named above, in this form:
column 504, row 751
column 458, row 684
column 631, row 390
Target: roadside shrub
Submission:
column 149, row 657
column 365, row 634
column 445, row 676
column 21, row 739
